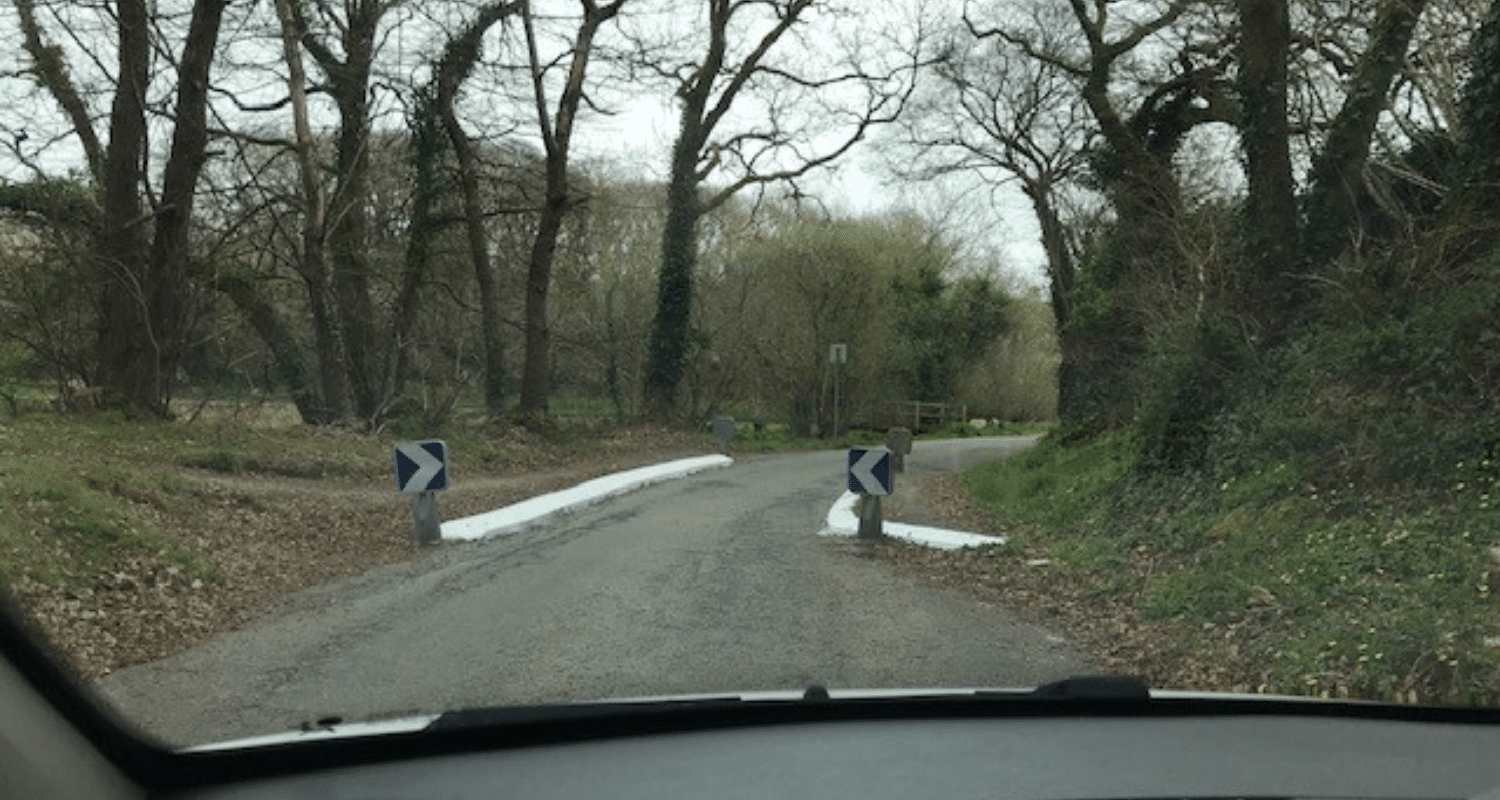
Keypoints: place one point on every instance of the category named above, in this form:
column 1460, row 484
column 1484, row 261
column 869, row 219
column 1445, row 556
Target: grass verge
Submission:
column 1306, row 589
column 81, row 494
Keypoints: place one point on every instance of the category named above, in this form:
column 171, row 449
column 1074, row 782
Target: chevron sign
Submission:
column 870, row 470
column 422, row 466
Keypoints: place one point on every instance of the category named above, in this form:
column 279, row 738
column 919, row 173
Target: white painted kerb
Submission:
column 843, row 520
column 528, row 512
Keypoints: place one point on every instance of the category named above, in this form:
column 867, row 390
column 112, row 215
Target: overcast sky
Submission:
column 636, row 141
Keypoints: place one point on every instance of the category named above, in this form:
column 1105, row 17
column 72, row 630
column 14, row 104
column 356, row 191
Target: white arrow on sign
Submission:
column 863, row 472
column 428, row 466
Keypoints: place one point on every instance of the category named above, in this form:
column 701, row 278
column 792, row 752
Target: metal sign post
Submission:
column 838, row 356
column 427, row 525
column 871, row 519
column 899, row 441
column 422, row 470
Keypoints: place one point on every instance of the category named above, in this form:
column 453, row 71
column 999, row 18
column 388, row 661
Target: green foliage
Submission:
column 943, row 329
column 1017, row 378
column 882, row 286
column 1050, row 485
column 1101, row 345
column 782, row 438
column 1190, row 373
column 1328, row 505
column 1326, row 590
column 64, row 517
column 51, row 202
column 1479, row 115
column 277, row 455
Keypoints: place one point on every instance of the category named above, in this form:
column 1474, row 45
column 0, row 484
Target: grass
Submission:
column 1379, row 593
column 78, row 493
column 71, row 504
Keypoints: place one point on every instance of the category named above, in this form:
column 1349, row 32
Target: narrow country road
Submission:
column 713, row 583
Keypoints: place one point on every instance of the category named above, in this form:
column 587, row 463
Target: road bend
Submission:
column 712, row 583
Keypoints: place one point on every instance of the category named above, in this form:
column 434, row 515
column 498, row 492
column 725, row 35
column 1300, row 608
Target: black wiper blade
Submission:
column 514, row 715
column 1094, row 687
column 1080, row 687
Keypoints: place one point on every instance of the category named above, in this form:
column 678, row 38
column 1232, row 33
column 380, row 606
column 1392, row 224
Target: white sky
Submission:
column 638, row 138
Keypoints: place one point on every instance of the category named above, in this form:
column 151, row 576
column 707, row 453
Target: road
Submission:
column 712, row 583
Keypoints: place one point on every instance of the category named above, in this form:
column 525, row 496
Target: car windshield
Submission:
column 370, row 360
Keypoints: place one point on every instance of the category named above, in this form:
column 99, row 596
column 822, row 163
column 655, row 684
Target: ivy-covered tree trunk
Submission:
column 454, row 68
column 1331, row 209
column 1061, row 271
column 347, row 278
column 1270, row 231
column 1479, row 122
column 348, row 236
column 668, row 348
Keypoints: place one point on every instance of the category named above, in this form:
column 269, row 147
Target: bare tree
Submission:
column 556, row 130
column 773, row 149
column 993, row 112
column 312, row 253
column 142, row 240
column 454, row 67
column 344, row 47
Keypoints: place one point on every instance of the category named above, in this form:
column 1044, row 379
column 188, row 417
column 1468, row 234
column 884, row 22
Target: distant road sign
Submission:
column 422, row 466
column 870, row 470
column 838, row 354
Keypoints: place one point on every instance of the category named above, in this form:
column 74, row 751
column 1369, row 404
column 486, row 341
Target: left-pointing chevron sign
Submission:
column 870, row 470
column 422, row 466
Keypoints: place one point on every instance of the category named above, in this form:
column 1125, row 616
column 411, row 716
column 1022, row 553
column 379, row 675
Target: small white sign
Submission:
column 838, row 354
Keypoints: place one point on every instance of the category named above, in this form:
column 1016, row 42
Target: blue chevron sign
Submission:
column 870, row 470
column 422, row 466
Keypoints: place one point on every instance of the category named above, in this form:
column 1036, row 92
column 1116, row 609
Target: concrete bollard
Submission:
column 898, row 441
column 724, row 432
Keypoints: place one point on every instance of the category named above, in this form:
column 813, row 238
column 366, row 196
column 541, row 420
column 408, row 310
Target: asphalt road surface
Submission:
column 712, row 583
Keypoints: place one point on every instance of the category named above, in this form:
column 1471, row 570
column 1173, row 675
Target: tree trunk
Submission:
column 348, row 240
column 286, row 353
column 127, row 359
column 333, row 374
column 484, row 271
column 668, row 348
column 348, row 215
column 536, row 377
column 312, row 262
column 557, row 135
column 1060, row 270
column 427, row 149
column 1338, row 188
column 1270, row 237
column 51, row 70
column 454, row 68
column 169, row 289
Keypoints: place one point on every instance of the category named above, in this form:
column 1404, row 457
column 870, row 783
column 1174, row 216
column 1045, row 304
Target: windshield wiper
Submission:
column 1083, row 687
column 1094, row 687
